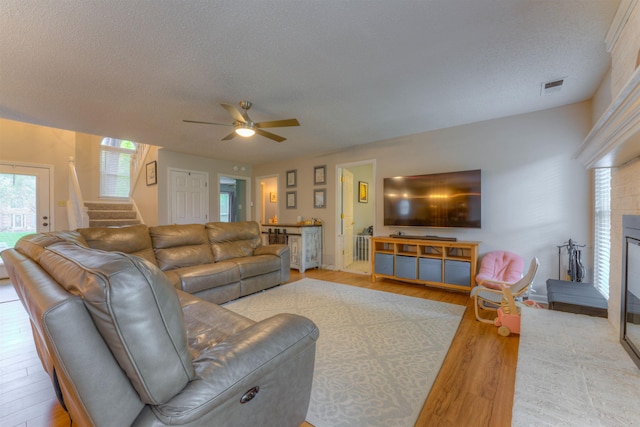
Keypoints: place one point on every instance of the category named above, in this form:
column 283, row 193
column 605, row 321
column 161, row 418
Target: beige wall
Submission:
column 87, row 160
column 535, row 195
column 626, row 52
column 26, row 143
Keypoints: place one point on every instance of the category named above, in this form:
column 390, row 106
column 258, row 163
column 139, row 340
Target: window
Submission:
column 115, row 167
column 602, row 230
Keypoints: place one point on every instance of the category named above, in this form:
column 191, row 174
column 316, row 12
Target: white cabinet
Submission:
column 305, row 243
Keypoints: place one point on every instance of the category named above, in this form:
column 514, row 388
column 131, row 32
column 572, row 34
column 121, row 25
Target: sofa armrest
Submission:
column 281, row 251
column 277, row 250
column 277, row 355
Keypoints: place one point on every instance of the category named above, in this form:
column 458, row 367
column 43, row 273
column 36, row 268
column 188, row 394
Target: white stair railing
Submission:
column 137, row 166
column 76, row 210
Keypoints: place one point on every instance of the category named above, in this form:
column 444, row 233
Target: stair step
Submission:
column 112, row 222
column 108, row 206
column 101, row 214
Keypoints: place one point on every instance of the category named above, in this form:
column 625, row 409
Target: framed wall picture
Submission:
column 363, row 192
column 320, row 175
column 273, row 197
column 292, row 178
column 319, row 197
column 152, row 173
column 292, row 202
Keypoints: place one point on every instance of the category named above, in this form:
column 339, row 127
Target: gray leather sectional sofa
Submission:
column 124, row 343
column 217, row 261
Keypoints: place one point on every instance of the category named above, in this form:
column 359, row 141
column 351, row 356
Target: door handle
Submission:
column 45, row 224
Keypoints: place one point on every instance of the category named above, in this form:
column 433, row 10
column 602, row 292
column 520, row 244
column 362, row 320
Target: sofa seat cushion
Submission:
column 135, row 309
column 257, row 265
column 178, row 246
column 207, row 323
column 200, row 277
column 134, row 240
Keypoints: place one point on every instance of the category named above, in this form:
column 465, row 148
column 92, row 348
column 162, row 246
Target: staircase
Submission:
column 111, row 214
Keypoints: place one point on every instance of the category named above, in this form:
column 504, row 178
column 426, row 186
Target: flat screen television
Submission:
column 451, row 199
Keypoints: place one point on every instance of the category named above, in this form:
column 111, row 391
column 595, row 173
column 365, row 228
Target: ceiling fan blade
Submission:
column 278, row 123
column 234, row 113
column 270, row 135
column 207, row 123
column 230, row 136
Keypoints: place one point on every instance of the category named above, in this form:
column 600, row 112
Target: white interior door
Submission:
column 25, row 205
column 347, row 217
column 188, row 197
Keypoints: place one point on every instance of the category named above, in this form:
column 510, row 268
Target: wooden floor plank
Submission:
column 474, row 386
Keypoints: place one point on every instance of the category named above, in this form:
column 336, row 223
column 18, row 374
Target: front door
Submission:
column 24, row 203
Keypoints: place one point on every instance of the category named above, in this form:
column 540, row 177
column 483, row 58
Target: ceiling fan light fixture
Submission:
column 245, row 130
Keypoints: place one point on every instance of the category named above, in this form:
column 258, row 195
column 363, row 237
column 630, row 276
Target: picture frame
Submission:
column 273, row 197
column 363, row 192
column 319, row 198
column 320, row 175
column 292, row 178
column 292, row 199
column 152, row 173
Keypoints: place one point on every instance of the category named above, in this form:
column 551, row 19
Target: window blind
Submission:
column 602, row 230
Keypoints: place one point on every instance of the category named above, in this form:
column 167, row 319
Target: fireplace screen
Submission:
column 630, row 319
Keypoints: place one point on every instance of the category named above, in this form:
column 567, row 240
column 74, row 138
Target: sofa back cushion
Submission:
column 32, row 245
column 134, row 240
column 135, row 309
column 179, row 246
column 233, row 239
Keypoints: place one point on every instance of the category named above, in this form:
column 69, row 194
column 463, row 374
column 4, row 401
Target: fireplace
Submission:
column 630, row 319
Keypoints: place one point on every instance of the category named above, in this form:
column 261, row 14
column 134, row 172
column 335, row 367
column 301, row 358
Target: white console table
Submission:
column 305, row 243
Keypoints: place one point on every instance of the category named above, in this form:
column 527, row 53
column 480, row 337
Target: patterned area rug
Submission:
column 572, row 371
column 378, row 353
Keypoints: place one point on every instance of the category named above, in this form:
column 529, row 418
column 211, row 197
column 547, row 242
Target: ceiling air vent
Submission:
column 547, row 88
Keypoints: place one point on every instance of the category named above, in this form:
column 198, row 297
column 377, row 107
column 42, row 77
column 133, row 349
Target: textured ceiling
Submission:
column 351, row 71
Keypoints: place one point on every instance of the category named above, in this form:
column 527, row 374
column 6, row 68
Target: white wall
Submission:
column 535, row 195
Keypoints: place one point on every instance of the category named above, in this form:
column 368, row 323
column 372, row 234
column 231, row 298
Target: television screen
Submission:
column 451, row 199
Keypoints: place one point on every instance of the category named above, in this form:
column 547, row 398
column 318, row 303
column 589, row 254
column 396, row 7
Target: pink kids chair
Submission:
column 504, row 297
column 498, row 268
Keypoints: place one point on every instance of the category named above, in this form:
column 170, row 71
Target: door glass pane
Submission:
column 17, row 207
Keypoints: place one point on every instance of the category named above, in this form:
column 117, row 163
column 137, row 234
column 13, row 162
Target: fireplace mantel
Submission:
column 615, row 139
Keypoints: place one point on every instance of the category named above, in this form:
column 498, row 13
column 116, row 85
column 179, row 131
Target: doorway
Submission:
column 355, row 216
column 234, row 198
column 25, row 203
column 267, row 209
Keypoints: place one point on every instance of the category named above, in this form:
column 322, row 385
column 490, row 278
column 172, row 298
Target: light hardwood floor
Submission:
column 474, row 387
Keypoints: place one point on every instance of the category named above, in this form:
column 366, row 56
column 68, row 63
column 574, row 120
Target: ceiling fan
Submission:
column 246, row 127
